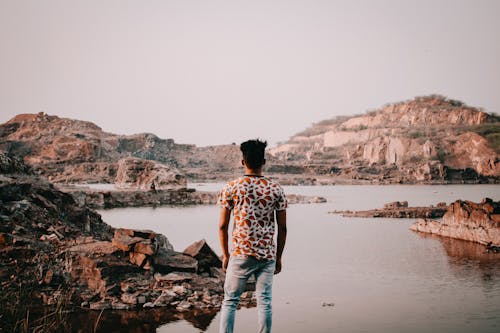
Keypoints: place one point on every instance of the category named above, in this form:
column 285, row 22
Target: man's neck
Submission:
column 253, row 172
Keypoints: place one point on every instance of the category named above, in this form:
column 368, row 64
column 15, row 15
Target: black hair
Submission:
column 253, row 153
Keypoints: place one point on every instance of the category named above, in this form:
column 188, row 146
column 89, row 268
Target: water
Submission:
column 379, row 276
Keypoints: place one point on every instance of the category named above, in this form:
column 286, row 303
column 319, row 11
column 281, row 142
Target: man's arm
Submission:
column 281, row 221
column 225, row 215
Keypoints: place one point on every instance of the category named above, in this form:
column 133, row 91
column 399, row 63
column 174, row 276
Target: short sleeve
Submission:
column 281, row 202
column 225, row 197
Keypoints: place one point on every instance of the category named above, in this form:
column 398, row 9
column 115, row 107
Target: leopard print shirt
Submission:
column 253, row 200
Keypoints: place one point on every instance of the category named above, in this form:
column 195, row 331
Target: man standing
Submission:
column 257, row 202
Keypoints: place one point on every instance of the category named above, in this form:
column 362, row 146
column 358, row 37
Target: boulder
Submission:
column 205, row 256
column 136, row 173
column 168, row 261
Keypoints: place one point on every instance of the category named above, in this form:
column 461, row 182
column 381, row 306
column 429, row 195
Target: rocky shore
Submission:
column 99, row 199
column 475, row 222
column 398, row 209
column 52, row 249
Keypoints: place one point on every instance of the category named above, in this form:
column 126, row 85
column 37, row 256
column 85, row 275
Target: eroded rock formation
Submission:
column 475, row 222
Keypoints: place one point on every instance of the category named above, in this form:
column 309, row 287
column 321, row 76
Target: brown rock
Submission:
column 145, row 247
column 476, row 222
column 135, row 173
column 204, row 254
column 125, row 243
column 169, row 261
column 138, row 259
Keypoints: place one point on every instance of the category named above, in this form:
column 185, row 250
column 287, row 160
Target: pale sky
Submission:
column 216, row 72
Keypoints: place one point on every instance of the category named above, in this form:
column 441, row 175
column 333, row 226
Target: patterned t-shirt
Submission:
column 253, row 200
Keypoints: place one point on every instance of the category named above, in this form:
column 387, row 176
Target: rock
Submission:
column 138, row 259
column 145, row 247
column 119, row 306
column 398, row 210
column 173, row 277
column 125, row 243
column 169, row 261
column 303, row 199
column 102, row 305
column 135, row 173
column 184, row 306
column 396, row 205
column 476, row 222
column 204, row 254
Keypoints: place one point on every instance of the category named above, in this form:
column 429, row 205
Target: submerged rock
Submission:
column 476, row 222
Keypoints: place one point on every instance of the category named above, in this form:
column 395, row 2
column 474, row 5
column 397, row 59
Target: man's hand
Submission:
column 225, row 261
column 278, row 267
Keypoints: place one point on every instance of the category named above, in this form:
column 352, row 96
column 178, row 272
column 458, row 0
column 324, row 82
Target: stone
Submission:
column 120, row 306
column 166, row 297
column 204, row 254
column 168, row 261
column 173, row 277
column 184, row 306
column 129, row 298
column 145, row 247
column 135, row 173
column 138, row 259
column 102, row 305
column 125, row 243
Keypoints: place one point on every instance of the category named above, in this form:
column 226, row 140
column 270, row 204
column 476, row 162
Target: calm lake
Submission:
column 375, row 274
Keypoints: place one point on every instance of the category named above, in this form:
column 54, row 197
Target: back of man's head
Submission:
column 254, row 153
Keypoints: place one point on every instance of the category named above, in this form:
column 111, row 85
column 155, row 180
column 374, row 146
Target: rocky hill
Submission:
column 72, row 151
column 425, row 140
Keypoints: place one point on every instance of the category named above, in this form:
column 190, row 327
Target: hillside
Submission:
column 427, row 139
column 67, row 150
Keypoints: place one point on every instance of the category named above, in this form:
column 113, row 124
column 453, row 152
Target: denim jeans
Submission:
column 239, row 269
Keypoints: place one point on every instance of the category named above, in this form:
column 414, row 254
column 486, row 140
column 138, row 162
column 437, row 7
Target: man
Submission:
column 255, row 201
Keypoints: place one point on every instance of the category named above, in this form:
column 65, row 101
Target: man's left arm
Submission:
column 281, row 221
column 225, row 215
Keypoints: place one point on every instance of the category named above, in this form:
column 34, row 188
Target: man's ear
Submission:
column 243, row 162
column 264, row 162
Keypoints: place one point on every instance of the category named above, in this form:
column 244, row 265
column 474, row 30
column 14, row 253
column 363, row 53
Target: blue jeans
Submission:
column 239, row 269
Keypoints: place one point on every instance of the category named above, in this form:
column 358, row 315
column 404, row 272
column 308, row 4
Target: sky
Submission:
column 217, row 72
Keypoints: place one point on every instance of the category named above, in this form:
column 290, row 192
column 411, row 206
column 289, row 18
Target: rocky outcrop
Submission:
column 52, row 248
column 135, row 173
column 475, row 222
column 399, row 209
column 426, row 140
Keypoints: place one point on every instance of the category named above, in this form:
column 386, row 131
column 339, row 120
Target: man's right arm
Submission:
column 225, row 215
column 281, row 221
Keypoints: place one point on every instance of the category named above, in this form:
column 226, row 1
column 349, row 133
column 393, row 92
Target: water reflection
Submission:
column 469, row 259
column 143, row 321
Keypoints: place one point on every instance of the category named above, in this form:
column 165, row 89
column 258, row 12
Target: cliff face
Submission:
column 423, row 140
